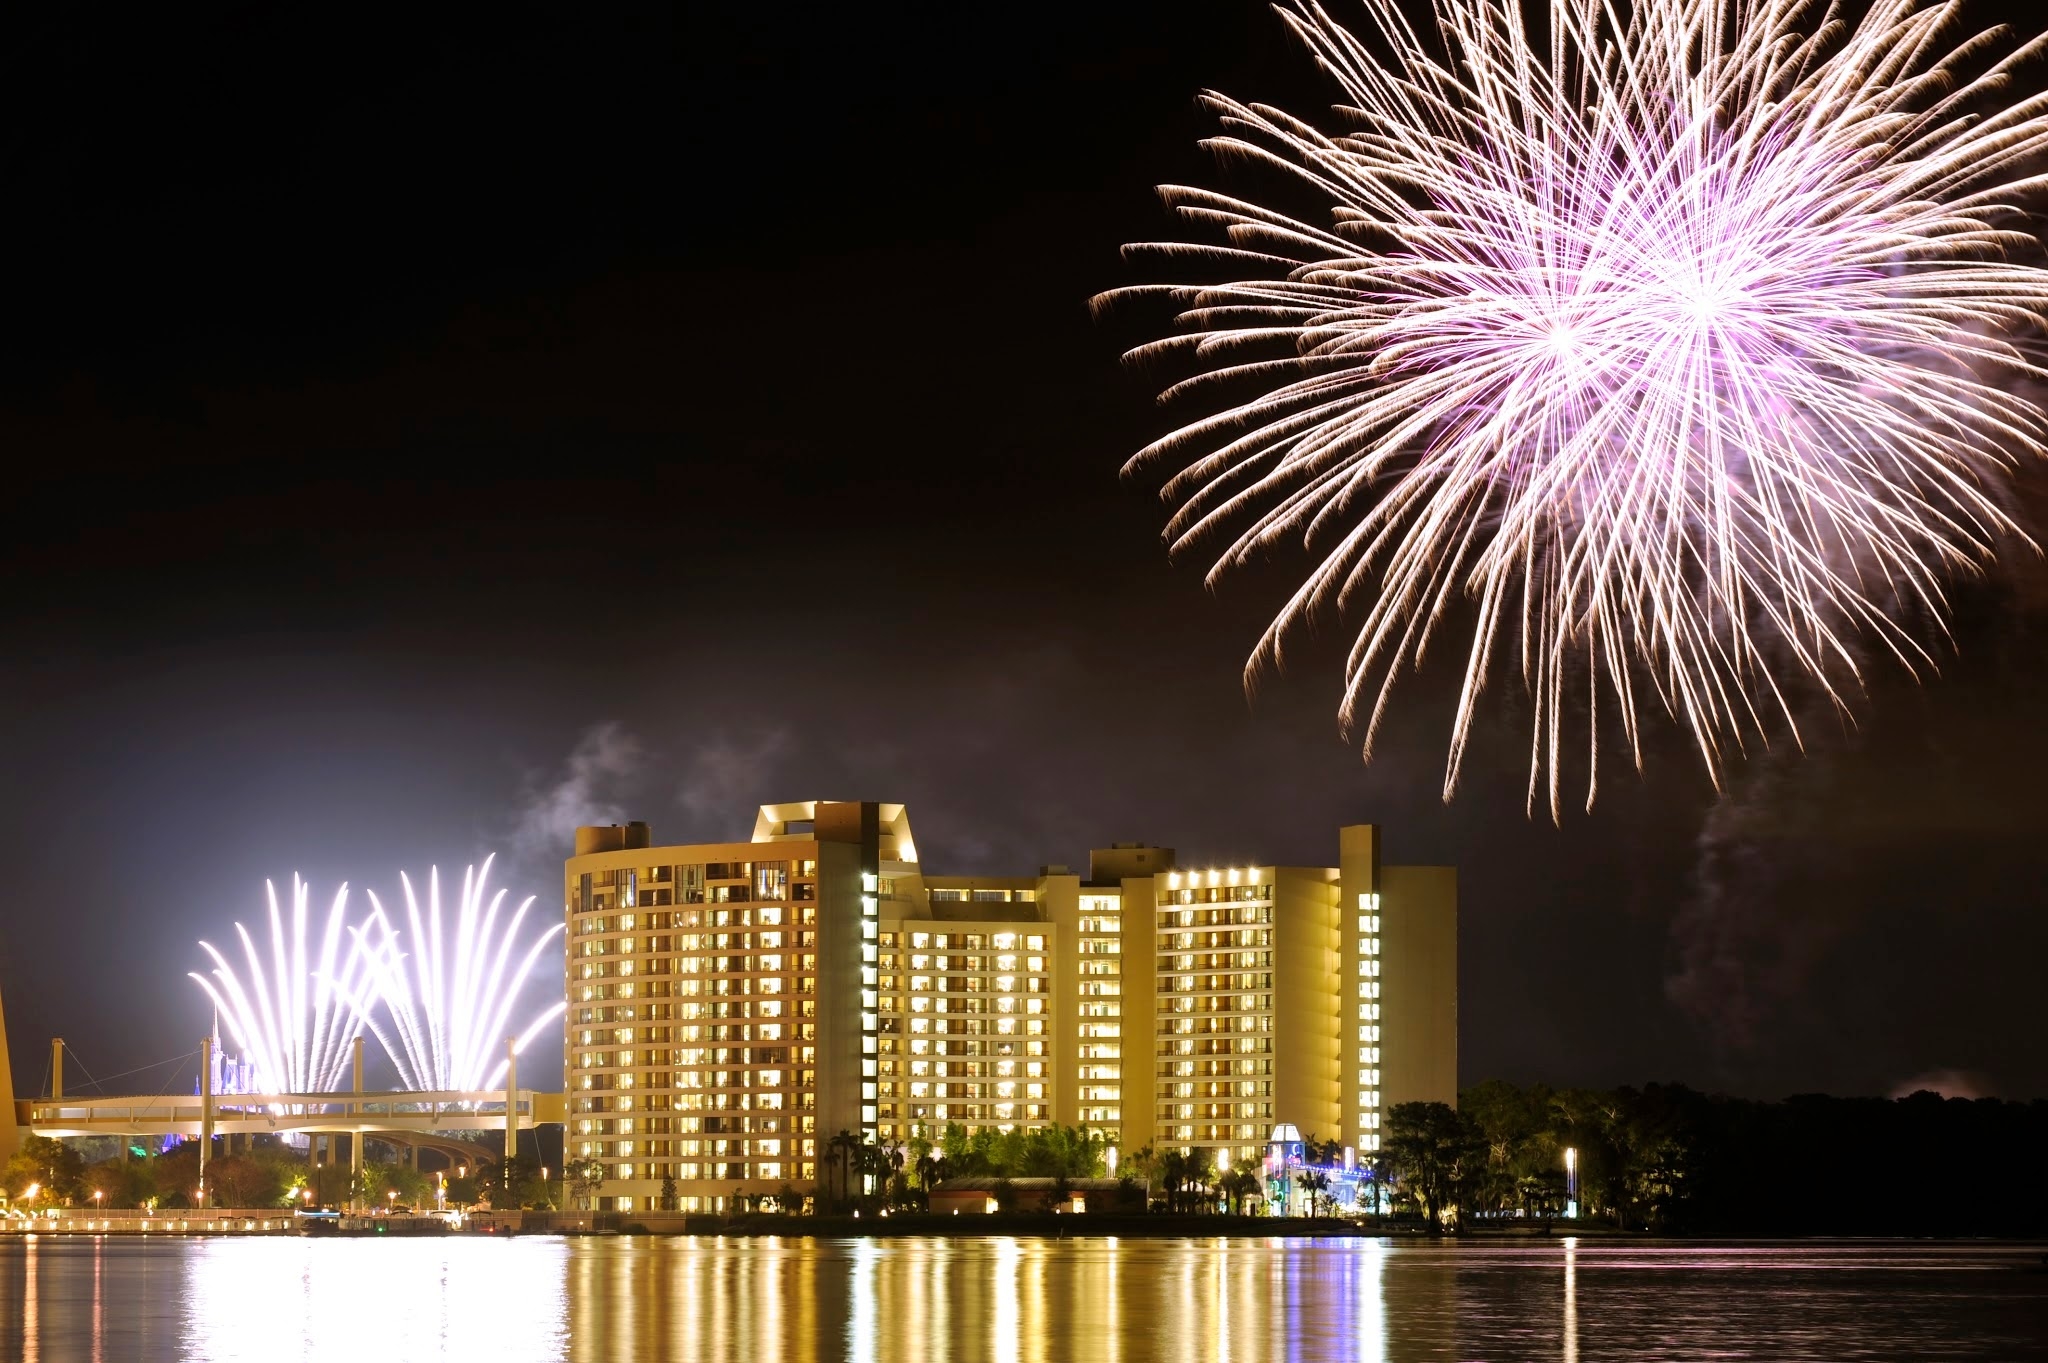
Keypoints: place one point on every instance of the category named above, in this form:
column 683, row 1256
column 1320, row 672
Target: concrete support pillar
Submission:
column 355, row 1140
column 511, row 1100
column 205, row 1111
column 56, row 1067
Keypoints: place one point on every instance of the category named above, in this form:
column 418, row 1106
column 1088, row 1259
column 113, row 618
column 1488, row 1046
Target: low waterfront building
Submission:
column 980, row 1196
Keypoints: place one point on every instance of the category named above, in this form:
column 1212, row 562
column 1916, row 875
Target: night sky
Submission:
column 430, row 430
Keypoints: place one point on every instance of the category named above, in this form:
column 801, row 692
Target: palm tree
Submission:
column 1173, row 1176
column 1328, row 1152
column 877, row 1164
column 1201, row 1173
column 895, row 1156
column 1239, row 1186
column 1316, row 1184
column 845, row 1149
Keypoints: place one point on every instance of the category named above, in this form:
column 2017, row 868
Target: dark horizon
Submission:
column 442, row 430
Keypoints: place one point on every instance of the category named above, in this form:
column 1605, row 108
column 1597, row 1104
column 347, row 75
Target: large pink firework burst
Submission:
column 1675, row 345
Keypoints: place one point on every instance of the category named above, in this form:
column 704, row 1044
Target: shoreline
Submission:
column 1092, row 1226
column 1043, row 1225
column 1029, row 1225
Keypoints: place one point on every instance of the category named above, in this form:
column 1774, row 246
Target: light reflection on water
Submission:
column 1013, row 1300
column 258, row 1300
column 1569, row 1346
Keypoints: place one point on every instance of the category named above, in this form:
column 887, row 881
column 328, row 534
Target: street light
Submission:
column 1571, row 1181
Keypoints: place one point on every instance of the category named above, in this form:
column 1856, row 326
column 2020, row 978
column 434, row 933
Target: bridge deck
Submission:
column 420, row 1112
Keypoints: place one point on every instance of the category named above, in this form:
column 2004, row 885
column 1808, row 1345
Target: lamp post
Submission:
column 1571, row 1181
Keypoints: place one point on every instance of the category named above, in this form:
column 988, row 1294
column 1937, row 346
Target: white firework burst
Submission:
column 294, row 1018
column 450, row 988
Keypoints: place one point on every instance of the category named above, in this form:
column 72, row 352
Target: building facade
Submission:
column 737, row 1012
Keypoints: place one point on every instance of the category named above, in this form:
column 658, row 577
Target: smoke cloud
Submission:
column 586, row 789
column 1758, row 920
column 727, row 776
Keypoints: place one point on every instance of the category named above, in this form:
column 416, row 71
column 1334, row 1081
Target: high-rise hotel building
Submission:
column 735, row 1006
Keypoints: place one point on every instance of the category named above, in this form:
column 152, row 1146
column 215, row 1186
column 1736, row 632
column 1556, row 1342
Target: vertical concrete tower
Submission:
column 10, row 1135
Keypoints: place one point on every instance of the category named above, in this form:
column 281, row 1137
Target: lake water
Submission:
column 1017, row 1300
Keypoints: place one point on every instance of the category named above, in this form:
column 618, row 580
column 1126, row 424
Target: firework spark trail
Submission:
column 1667, row 345
column 294, row 1021
column 451, row 997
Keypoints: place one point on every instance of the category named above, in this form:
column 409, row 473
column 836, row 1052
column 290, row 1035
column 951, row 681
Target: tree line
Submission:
column 1671, row 1159
column 1662, row 1158
column 46, row 1172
